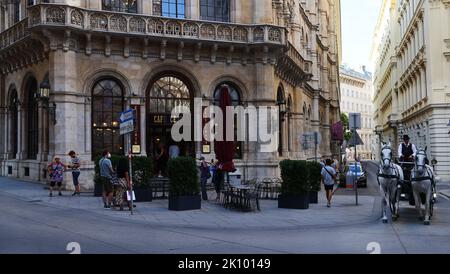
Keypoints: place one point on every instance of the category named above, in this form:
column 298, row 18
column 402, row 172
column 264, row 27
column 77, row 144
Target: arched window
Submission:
column 235, row 101
column 129, row 6
column 14, row 118
column 165, row 94
column 32, row 122
column 107, row 104
column 215, row 10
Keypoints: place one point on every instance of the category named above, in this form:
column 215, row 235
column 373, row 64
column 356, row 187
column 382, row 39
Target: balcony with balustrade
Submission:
column 64, row 21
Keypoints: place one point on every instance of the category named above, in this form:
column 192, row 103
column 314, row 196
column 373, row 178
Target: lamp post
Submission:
column 282, row 108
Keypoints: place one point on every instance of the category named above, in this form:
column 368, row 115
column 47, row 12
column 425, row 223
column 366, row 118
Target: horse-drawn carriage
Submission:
column 413, row 181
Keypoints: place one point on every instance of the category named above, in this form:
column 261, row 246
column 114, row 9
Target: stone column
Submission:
column 143, row 130
column 193, row 9
column 5, row 148
column 262, row 11
column 423, row 82
column 315, row 112
column 145, row 7
column 63, row 79
column 95, row 4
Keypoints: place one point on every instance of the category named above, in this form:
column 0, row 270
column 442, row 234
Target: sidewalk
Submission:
column 212, row 215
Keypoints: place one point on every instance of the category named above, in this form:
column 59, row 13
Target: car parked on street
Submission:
column 350, row 170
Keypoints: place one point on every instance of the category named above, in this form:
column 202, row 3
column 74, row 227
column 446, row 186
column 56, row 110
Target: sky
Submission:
column 358, row 18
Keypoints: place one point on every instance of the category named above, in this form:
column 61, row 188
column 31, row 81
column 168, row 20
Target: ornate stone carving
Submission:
column 99, row 21
column 55, row 15
column 208, row 31
column 240, row 34
column 258, row 34
column 155, row 26
column 173, row 28
column 190, row 29
column 224, row 33
column 137, row 25
column 77, row 18
column 274, row 35
column 118, row 23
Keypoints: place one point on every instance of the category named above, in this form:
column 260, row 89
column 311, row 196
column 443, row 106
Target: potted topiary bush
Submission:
column 314, row 178
column 184, row 191
column 295, row 187
column 142, row 173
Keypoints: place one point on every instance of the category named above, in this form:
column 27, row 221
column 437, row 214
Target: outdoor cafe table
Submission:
column 240, row 197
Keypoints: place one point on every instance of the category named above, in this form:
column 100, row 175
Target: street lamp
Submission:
column 282, row 106
column 43, row 95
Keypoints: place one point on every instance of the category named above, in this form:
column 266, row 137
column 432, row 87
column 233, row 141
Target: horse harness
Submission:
column 396, row 175
column 423, row 178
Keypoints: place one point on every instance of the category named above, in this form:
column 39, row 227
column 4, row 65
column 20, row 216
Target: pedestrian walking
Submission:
column 204, row 175
column 106, row 173
column 56, row 174
column 329, row 179
column 215, row 173
column 174, row 150
column 123, row 175
column 75, row 166
column 161, row 160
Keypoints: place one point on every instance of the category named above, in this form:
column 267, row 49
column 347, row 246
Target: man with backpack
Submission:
column 329, row 179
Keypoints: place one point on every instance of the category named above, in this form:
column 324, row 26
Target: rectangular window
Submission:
column 170, row 8
column 17, row 12
column 215, row 10
column 129, row 6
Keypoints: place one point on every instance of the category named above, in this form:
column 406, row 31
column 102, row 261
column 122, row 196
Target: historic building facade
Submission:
column 356, row 97
column 99, row 58
column 412, row 87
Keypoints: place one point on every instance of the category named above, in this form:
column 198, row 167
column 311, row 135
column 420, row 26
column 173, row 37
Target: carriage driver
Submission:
column 406, row 150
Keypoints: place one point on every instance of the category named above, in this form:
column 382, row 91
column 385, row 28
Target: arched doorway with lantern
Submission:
column 167, row 91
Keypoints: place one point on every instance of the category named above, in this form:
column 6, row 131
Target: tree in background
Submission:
column 347, row 133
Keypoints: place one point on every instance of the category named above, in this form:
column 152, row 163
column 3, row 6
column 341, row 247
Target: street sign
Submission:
column 127, row 122
column 355, row 140
column 126, row 116
column 309, row 139
column 126, row 127
column 355, row 120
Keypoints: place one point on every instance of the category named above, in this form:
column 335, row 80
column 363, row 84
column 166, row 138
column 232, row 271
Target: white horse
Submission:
column 389, row 177
column 422, row 181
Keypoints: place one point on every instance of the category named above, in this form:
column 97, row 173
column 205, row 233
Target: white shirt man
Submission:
column 406, row 150
column 174, row 151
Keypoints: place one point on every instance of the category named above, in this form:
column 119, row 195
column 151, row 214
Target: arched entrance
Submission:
column 166, row 91
column 14, row 119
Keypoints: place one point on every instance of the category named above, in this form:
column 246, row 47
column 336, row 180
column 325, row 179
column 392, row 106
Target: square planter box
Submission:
column 143, row 195
column 313, row 197
column 181, row 203
column 98, row 190
column 293, row 201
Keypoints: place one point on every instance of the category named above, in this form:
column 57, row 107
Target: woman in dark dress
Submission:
column 125, row 183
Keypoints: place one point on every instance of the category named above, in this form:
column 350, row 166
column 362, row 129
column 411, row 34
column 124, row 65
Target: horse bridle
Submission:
column 385, row 158
column 428, row 177
column 421, row 152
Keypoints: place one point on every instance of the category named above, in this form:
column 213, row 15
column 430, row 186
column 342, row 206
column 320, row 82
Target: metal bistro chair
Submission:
column 252, row 198
column 276, row 188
